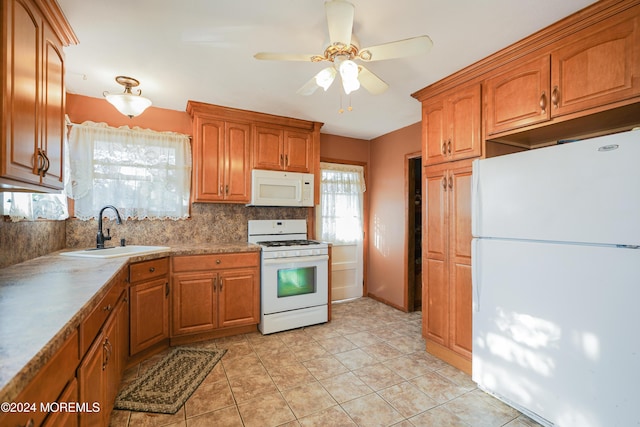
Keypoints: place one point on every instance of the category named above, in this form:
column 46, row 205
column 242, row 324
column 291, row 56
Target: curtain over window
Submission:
column 341, row 188
column 144, row 173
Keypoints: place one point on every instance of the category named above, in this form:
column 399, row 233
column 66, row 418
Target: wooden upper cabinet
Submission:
column 297, row 151
column 282, row 149
column 434, row 133
column 600, row 65
column 588, row 70
column 465, row 112
column 237, row 167
column 451, row 125
column 33, row 94
column 268, row 148
column 222, row 160
column 519, row 96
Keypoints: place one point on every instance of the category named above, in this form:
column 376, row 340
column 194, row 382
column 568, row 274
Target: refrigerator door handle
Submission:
column 475, row 277
column 475, row 198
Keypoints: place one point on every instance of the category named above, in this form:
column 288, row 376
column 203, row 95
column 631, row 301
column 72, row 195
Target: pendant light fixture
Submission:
column 128, row 103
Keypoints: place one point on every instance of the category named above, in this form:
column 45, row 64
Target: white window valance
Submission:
column 144, row 173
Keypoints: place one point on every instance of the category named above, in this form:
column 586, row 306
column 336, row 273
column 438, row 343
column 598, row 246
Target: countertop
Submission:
column 44, row 299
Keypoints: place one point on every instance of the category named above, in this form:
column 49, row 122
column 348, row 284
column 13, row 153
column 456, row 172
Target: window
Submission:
column 144, row 173
column 340, row 211
column 33, row 206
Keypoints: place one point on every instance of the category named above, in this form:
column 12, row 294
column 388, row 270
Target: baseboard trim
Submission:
column 387, row 302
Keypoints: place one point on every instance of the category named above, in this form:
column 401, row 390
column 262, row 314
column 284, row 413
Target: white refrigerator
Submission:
column 556, row 281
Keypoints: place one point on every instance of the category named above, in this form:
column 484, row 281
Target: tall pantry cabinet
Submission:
column 451, row 138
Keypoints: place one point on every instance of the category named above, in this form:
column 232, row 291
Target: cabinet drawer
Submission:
column 217, row 261
column 147, row 270
column 47, row 385
column 91, row 325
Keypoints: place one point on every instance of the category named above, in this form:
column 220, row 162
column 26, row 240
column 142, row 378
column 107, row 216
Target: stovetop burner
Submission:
column 278, row 243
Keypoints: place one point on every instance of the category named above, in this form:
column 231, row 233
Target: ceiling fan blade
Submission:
column 340, row 21
column 283, row 56
column 408, row 47
column 323, row 79
column 372, row 83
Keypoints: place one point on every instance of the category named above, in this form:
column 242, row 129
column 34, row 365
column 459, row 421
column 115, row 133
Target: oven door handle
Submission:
column 313, row 258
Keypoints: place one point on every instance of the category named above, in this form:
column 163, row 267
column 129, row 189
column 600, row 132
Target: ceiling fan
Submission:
column 344, row 49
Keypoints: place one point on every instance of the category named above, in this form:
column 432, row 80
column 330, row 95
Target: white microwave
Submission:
column 276, row 188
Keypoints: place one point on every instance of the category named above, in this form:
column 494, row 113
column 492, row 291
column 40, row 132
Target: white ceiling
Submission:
column 203, row 50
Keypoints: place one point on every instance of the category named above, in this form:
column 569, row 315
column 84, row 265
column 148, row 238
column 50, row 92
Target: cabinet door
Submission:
column 459, row 188
column 208, row 152
column 434, row 131
column 268, row 148
column 600, row 66
column 23, row 27
column 239, row 297
column 237, row 166
column 65, row 418
column 297, row 151
column 435, row 298
column 194, row 303
column 92, row 382
column 149, row 314
column 111, row 362
column 519, row 96
column 53, row 108
column 465, row 128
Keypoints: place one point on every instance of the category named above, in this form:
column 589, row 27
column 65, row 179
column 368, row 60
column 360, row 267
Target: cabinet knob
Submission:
column 449, row 146
column 444, row 183
column 443, row 149
column 152, row 269
column 218, row 261
column 107, row 308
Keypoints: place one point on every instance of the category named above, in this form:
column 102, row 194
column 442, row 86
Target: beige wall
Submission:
column 387, row 213
column 342, row 148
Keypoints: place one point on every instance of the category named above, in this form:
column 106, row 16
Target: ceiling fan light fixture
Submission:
column 325, row 77
column 128, row 103
column 349, row 75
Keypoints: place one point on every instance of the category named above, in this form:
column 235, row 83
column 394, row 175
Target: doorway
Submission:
column 340, row 220
column 414, row 232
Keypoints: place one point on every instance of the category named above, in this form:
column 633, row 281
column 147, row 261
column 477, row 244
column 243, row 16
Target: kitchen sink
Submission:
column 116, row 251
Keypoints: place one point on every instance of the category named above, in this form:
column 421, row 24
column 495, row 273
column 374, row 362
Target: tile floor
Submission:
column 367, row 367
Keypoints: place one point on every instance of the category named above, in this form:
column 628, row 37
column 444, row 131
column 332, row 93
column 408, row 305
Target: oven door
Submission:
column 293, row 283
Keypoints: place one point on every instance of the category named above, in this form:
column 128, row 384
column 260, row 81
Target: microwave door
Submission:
column 277, row 192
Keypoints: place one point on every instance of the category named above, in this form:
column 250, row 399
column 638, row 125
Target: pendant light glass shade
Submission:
column 128, row 103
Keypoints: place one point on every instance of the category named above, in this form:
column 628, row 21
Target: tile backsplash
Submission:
column 24, row 240
column 215, row 223
column 212, row 223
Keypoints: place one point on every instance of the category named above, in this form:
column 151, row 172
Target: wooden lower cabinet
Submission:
column 101, row 370
column 53, row 383
column 214, row 292
column 149, row 307
column 446, row 301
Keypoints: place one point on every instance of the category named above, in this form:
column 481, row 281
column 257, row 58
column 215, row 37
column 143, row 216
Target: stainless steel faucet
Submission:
column 100, row 238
